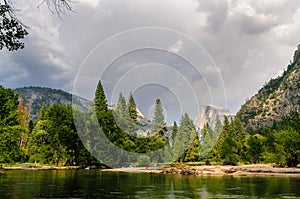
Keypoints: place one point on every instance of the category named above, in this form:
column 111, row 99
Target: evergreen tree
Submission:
column 174, row 132
column 207, row 140
column 193, row 152
column 132, row 109
column 158, row 123
column 255, row 149
column 100, row 103
column 120, row 113
column 185, row 136
column 54, row 139
column 104, row 116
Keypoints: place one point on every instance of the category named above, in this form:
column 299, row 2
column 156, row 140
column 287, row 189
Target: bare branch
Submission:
column 59, row 7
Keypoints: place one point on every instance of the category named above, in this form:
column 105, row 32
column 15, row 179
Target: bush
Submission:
column 143, row 161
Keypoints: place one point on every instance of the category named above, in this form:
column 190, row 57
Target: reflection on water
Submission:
column 97, row 184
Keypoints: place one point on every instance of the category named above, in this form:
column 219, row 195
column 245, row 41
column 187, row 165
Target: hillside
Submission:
column 275, row 100
column 36, row 96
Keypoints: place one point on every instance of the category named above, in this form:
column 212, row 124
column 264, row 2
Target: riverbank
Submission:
column 42, row 168
column 134, row 170
column 255, row 170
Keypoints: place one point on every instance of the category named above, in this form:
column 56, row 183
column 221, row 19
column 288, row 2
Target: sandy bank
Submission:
column 134, row 170
column 258, row 170
column 242, row 170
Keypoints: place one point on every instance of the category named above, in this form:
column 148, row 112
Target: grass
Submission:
column 27, row 164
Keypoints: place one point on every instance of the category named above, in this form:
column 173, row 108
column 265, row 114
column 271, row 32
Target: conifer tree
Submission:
column 131, row 106
column 121, row 114
column 158, row 123
column 174, row 132
column 185, row 136
column 100, row 102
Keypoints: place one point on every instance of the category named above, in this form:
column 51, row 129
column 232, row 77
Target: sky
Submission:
column 188, row 53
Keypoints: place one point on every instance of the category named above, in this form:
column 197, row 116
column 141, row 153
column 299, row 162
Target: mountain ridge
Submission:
column 275, row 100
column 37, row 96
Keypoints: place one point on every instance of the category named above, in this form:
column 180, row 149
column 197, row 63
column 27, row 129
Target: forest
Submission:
column 54, row 138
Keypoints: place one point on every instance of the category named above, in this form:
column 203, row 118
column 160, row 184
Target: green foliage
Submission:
column 185, row 144
column 255, row 149
column 174, row 132
column 158, row 123
column 11, row 129
column 100, row 103
column 131, row 107
column 123, row 114
column 193, row 152
column 11, row 30
column 231, row 145
column 287, row 147
column 143, row 161
column 54, row 139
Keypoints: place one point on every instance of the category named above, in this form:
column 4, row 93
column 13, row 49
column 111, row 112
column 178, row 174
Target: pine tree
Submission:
column 121, row 115
column 174, row 132
column 158, row 123
column 207, row 140
column 131, row 106
column 184, row 139
column 42, row 113
column 100, row 104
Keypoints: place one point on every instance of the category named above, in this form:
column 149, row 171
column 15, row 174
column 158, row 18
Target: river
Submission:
column 97, row 184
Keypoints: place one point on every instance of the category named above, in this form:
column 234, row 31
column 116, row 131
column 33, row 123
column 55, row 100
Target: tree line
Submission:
column 55, row 139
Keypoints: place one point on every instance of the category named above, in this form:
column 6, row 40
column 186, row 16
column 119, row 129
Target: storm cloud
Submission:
column 248, row 43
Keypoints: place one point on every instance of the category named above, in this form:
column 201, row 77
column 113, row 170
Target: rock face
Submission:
column 275, row 100
column 37, row 96
column 211, row 114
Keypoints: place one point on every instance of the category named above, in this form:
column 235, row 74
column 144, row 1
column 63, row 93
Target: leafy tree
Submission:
column 23, row 113
column 143, row 161
column 12, row 30
column 287, row 147
column 11, row 129
column 54, row 139
column 255, row 150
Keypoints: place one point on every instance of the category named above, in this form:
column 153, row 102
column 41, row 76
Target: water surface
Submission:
column 97, row 184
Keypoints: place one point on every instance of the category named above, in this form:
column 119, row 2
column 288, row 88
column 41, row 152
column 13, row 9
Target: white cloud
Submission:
column 177, row 47
column 92, row 3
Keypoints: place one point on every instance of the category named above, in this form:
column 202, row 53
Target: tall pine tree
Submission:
column 100, row 103
column 158, row 123
column 131, row 106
